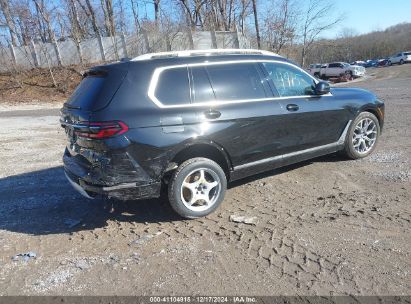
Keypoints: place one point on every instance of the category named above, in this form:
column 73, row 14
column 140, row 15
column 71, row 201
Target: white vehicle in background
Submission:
column 400, row 58
column 314, row 69
column 359, row 63
column 339, row 69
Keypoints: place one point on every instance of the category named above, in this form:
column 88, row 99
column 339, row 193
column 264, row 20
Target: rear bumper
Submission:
column 87, row 184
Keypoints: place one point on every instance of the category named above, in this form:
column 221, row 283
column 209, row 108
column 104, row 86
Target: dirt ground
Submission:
column 37, row 86
column 324, row 227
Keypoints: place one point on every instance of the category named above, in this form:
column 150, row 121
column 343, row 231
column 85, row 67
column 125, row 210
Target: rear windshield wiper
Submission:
column 69, row 106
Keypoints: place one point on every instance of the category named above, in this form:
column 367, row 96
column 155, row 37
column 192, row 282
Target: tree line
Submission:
column 292, row 28
column 350, row 46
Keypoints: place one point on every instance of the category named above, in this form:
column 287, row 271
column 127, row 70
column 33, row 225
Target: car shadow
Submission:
column 43, row 202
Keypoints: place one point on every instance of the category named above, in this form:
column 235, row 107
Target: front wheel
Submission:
column 362, row 136
column 197, row 188
column 401, row 62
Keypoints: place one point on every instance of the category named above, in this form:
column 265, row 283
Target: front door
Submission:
column 308, row 120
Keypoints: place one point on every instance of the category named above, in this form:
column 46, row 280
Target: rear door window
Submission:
column 202, row 90
column 239, row 81
column 173, row 87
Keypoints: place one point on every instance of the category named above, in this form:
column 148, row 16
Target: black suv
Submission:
column 194, row 120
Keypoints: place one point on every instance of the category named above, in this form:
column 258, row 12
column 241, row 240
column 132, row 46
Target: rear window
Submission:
column 97, row 88
column 173, row 87
column 407, row 53
column 236, row 81
column 86, row 93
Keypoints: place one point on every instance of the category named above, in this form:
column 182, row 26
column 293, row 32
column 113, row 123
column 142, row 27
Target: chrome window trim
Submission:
column 157, row 72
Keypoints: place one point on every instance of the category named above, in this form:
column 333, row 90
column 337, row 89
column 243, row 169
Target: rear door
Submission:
column 308, row 120
column 236, row 110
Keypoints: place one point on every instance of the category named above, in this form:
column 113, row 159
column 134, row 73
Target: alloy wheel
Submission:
column 200, row 189
column 364, row 136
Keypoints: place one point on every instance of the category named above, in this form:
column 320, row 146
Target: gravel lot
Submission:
column 326, row 226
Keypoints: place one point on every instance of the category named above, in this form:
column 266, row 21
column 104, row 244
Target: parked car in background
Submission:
column 338, row 69
column 400, row 58
column 383, row 62
column 192, row 121
column 314, row 69
column 359, row 63
column 370, row 63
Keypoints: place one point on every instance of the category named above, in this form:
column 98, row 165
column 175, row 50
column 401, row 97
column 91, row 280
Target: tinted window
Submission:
column 173, row 87
column 334, row 65
column 202, row 91
column 236, row 81
column 407, row 53
column 288, row 80
column 97, row 89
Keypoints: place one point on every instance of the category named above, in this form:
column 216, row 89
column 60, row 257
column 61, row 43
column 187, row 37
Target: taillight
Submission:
column 101, row 130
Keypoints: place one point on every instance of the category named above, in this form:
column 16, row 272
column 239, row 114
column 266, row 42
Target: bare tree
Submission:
column 317, row 19
column 157, row 11
column 107, row 7
column 244, row 12
column 257, row 29
column 280, row 25
column 5, row 7
column 52, row 37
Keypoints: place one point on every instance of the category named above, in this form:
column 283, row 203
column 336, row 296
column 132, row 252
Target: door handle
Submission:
column 212, row 114
column 292, row 107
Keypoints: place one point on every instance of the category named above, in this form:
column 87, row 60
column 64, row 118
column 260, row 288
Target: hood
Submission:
column 353, row 93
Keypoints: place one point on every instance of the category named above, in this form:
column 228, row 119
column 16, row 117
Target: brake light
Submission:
column 101, row 130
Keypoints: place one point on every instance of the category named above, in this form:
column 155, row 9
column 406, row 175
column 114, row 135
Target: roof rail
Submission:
column 208, row 52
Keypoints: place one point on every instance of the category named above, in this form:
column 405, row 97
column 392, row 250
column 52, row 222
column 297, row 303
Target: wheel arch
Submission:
column 204, row 149
column 376, row 112
column 372, row 111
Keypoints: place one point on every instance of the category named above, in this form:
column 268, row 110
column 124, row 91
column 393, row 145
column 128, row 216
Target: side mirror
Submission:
column 322, row 88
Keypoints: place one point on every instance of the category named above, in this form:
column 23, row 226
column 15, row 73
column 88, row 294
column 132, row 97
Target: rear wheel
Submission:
column 390, row 63
column 197, row 188
column 362, row 136
column 348, row 75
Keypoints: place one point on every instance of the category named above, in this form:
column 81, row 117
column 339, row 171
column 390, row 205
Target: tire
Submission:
column 401, row 62
column 389, row 63
column 360, row 147
column 197, row 197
